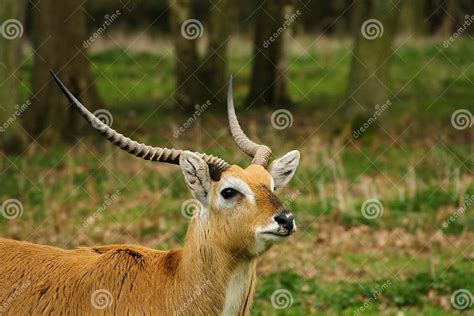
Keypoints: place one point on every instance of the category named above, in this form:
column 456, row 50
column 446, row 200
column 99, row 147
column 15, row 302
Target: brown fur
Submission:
column 37, row 279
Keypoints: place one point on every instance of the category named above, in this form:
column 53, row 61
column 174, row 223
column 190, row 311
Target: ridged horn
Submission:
column 169, row 155
column 261, row 154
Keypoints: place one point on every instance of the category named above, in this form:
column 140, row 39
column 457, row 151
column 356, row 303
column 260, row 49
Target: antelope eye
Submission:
column 229, row 193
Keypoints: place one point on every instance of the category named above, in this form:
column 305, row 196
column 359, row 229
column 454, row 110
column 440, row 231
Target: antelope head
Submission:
column 240, row 212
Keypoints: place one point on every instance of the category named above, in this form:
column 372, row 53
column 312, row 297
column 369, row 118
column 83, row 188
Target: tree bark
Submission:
column 369, row 78
column 448, row 23
column 186, row 56
column 59, row 31
column 413, row 20
column 12, row 136
column 214, row 69
column 268, row 78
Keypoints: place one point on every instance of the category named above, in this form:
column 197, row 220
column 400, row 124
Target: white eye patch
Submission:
column 238, row 185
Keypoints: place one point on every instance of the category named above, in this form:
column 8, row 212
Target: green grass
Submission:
column 307, row 296
column 412, row 160
column 311, row 297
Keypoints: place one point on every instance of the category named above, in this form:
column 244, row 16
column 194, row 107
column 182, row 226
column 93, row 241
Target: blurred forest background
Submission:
column 377, row 96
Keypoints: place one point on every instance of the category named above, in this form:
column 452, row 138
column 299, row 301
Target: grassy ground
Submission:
column 409, row 259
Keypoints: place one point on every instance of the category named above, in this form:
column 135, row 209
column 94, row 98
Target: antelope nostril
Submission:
column 285, row 219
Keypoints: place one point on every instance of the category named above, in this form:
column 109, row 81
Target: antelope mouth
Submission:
column 276, row 232
column 270, row 235
column 279, row 234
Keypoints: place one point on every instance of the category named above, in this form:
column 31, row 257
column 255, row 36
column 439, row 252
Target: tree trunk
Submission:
column 448, row 23
column 185, row 34
column 214, row 69
column 369, row 78
column 413, row 20
column 268, row 77
column 341, row 27
column 59, row 31
column 13, row 138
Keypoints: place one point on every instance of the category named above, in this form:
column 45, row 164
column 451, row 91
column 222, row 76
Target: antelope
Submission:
column 214, row 273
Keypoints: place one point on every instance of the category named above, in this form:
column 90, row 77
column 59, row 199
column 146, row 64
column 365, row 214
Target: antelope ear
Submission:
column 283, row 169
column 196, row 174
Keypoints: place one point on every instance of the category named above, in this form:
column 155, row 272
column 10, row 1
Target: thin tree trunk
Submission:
column 448, row 24
column 369, row 78
column 268, row 78
column 59, row 31
column 341, row 27
column 185, row 50
column 12, row 136
column 214, row 70
column 413, row 19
